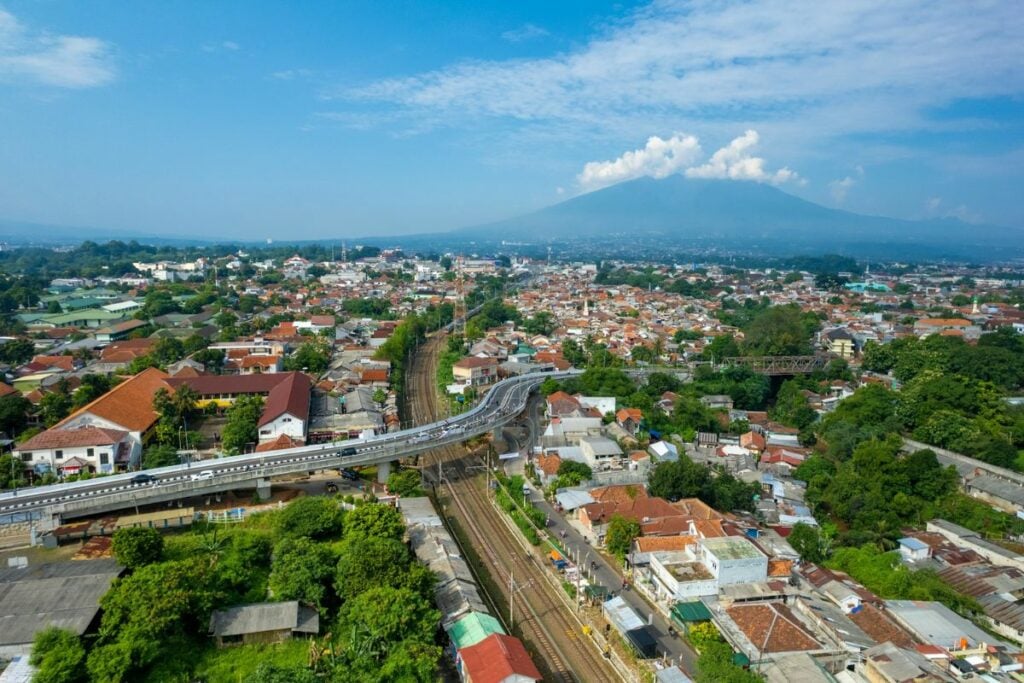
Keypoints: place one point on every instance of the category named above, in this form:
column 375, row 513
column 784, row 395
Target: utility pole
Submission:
column 511, row 595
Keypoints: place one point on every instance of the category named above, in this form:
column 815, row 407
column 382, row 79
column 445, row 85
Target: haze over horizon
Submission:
column 313, row 122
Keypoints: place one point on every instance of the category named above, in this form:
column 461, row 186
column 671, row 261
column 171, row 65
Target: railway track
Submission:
column 540, row 613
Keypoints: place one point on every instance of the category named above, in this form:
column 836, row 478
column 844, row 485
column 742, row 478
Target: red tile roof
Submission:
column 127, row 350
column 290, row 396
column 772, row 627
column 129, row 404
column 283, row 441
column 71, row 438
column 61, row 362
column 496, row 658
column 474, row 362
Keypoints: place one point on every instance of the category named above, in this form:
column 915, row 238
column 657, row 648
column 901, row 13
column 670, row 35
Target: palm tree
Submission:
column 184, row 401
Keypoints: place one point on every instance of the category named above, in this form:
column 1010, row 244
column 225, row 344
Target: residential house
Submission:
column 267, row 622
column 286, row 398
column 840, row 342
column 629, row 420
column 128, row 407
column 498, row 658
column 475, row 371
column 601, row 453
column 79, row 450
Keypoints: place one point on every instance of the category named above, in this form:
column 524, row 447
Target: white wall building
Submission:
column 733, row 559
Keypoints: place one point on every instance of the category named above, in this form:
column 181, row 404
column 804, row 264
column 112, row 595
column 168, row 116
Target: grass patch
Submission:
column 239, row 663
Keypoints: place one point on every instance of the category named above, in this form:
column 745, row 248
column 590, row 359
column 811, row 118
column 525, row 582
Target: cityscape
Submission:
column 299, row 403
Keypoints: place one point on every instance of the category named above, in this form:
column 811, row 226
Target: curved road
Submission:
column 500, row 405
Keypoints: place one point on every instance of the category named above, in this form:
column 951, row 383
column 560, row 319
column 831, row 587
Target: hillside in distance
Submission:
column 746, row 215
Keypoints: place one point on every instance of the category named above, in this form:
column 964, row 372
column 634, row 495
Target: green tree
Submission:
column 268, row 672
column 313, row 357
column 404, row 482
column 619, row 537
column 241, row 428
column 14, row 410
column 160, row 455
column 780, row 331
column 12, row 472
column 374, row 622
column 136, row 547
column 147, row 613
column 380, row 396
column 58, row 656
column 368, row 561
column 54, row 407
column 374, row 519
column 92, row 387
column 791, row 406
column 808, row 541
column 302, row 570
column 17, row 351
column 571, row 473
column 311, row 517
column 542, row 323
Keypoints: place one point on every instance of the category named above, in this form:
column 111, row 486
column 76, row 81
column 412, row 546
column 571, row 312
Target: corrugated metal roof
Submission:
column 64, row 594
column 262, row 617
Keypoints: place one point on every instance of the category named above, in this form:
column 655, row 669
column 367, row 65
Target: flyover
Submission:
column 48, row 506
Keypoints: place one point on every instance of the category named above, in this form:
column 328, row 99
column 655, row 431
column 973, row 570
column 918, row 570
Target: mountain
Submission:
column 39, row 234
column 745, row 215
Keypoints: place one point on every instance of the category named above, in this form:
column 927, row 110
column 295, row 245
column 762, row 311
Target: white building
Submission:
column 600, row 452
column 733, row 559
column 475, row 372
column 680, row 579
column 78, row 451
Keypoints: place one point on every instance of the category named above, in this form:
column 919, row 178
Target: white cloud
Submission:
column 290, row 74
column 936, row 207
column 816, row 68
column 53, row 60
column 524, row 33
column 658, row 159
column 840, row 188
column 223, row 46
column 734, row 161
column 680, row 153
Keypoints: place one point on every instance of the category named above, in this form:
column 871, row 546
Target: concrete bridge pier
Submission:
column 383, row 471
column 263, row 488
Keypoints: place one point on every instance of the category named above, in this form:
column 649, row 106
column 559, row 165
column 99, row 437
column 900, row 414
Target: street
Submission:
column 606, row 574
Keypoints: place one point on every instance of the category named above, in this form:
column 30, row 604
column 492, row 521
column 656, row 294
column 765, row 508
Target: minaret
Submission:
column 586, row 307
column 974, row 308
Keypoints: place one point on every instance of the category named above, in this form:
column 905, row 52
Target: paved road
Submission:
column 505, row 400
column 608, row 574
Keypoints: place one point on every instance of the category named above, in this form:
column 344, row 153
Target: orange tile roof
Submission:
column 129, row 404
column 649, row 544
column 780, row 568
column 549, row 464
column 72, row 438
column 772, row 627
column 62, row 362
column 695, row 508
column 498, row 658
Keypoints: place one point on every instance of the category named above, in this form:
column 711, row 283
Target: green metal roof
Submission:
column 472, row 628
column 691, row 611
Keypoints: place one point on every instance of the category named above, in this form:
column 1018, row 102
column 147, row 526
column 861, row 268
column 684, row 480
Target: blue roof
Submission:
column 913, row 543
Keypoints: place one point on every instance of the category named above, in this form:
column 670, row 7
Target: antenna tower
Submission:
column 460, row 299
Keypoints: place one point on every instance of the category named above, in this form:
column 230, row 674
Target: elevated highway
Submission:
column 49, row 506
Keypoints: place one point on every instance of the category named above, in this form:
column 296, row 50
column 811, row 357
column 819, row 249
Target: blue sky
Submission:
column 307, row 120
